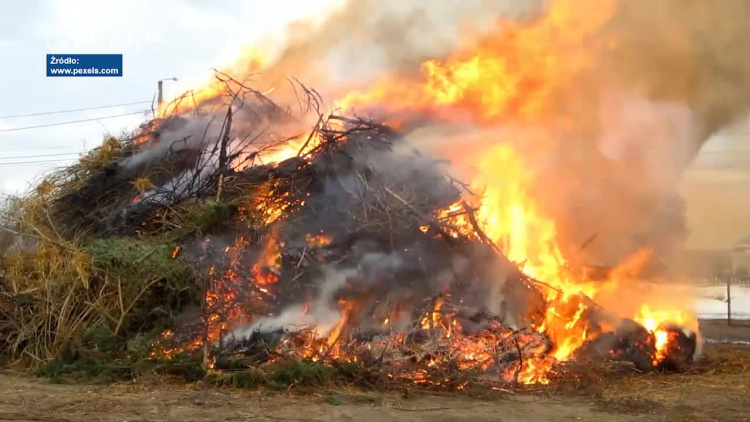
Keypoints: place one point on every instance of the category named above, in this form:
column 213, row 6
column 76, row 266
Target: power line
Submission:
column 41, row 155
column 72, row 110
column 71, row 122
column 35, row 162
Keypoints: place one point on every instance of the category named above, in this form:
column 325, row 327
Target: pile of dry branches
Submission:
column 203, row 232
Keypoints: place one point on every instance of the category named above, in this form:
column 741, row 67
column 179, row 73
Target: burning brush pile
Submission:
column 246, row 239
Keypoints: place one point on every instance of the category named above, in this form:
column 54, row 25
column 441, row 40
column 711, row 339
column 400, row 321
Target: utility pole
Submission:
column 160, row 97
column 729, row 297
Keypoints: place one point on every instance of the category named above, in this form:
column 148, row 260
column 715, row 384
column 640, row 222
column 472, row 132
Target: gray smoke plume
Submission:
column 673, row 76
column 661, row 77
column 664, row 77
column 322, row 315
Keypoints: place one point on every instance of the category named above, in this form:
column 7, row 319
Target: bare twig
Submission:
column 223, row 162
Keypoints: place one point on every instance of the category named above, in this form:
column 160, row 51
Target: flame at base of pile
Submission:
column 433, row 350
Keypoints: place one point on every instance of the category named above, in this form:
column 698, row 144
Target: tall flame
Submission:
column 512, row 73
column 513, row 220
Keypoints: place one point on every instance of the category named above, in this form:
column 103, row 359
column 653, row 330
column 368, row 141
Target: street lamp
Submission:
column 160, row 99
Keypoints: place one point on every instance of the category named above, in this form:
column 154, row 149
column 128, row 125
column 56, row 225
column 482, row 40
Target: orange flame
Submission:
column 268, row 266
column 656, row 320
column 508, row 74
column 513, row 220
column 317, row 241
column 347, row 307
column 250, row 59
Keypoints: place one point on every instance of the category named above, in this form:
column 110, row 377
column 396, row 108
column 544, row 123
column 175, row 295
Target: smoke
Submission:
column 260, row 126
column 396, row 279
column 667, row 76
column 366, row 39
column 624, row 188
column 385, row 264
column 177, row 134
column 659, row 80
column 687, row 51
column 637, row 97
column 322, row 315
column 606, row 156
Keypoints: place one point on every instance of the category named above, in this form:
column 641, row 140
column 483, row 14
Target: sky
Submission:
column 158, row 39
column 186, row 39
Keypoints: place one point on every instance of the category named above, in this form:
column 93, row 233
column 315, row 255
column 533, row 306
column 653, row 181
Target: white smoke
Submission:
column 322, row 315
column 176, row 135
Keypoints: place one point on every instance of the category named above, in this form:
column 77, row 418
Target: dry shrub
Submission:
column 111, row 150
column 55, row 287
column 46, row 280
column 60, row 291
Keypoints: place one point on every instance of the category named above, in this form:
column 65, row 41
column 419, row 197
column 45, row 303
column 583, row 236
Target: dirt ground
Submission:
column 719, row 330
column 718, row 390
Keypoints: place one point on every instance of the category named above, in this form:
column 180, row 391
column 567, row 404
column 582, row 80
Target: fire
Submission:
column 511, row 73
column 318, row 240
column 268, row 266
column 657, row 320
column 513, row 219
column 276, row 152
column 250, row 59
column 347, row 307
column 535, row 371
column 432, row 319
column 263, row 277
column 147, row 131
column 293, row 148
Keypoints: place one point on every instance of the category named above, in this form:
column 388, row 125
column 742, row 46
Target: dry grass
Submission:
column 56, row 287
